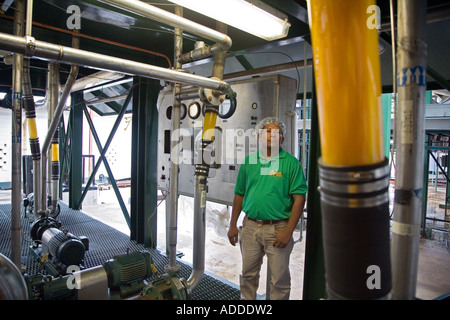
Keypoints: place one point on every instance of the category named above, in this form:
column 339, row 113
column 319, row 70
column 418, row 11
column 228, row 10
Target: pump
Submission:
column 55, row 247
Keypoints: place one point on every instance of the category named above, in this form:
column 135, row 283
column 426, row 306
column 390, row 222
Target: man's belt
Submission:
column 260, row 221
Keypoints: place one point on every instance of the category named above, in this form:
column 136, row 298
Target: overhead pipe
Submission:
column 410, row 138
column 16, row 146
column 222, row 41
column 172, row 207
column 174, row 20
column 114, row 43
column 353, row 171
column 201, row 51
column 54, row 141
column 212, row 100
column 51, row 52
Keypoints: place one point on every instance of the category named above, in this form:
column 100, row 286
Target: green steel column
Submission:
column 386, row 99
column 76, row 148
column 314, row 287
column 428, row 96
column 144, row 162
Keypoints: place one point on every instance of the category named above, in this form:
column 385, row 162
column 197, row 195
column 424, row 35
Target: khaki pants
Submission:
column 257, row 241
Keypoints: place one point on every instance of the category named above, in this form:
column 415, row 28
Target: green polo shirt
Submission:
column 268, row 185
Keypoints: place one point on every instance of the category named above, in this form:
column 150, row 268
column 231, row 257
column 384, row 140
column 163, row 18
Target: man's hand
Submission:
column 283, row 238
column 233, row 235
column 233, row 232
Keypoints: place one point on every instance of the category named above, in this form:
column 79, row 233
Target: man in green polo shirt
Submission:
column 270, row 190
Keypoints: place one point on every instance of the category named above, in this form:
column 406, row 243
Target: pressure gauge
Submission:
column 194, row 110
column 169, row 113
column 227, row 108
column 183, row 111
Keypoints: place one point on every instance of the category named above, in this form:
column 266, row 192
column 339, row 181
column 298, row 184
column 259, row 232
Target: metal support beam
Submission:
column 144, row 162
column 314, row 284
column 103, row 157
column 244, row 62
column 76, row 147
column 439, row 78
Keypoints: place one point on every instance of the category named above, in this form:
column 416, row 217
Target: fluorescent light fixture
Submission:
column 253, row 17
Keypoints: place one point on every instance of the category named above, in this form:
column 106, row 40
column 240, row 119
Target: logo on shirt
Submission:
column 276, row 173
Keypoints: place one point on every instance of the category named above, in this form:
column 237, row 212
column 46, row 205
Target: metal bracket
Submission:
column 30, row 46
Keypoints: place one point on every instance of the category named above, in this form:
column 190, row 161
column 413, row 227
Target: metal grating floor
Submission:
column 105, row 242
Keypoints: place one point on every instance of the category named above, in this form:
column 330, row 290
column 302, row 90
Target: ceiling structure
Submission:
column 109, row 30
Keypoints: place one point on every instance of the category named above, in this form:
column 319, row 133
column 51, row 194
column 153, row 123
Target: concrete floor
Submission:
column 223, row 260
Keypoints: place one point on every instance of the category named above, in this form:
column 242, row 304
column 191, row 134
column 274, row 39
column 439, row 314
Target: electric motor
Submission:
column 40, row 225
column 61, row 246
column 128, row 268
column 64, row 246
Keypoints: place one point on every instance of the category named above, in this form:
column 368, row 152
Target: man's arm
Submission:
column 235, row 212
column 285, row 235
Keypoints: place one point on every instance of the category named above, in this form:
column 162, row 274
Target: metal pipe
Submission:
column 16, row 148
column 55, row 122
column 198, row 262
column 411, row 87
column 30, row 113
column 201, row 52
column 52, row 52
column 29, row 22
column 12, row 282
column 172, row 213
column 52, row 93
column 212, row 99
column 154, row 13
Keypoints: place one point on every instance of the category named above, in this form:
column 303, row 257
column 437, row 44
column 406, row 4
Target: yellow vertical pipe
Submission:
column 55, row 152
column 32, row 128
column 347, row 75
column 209, row 126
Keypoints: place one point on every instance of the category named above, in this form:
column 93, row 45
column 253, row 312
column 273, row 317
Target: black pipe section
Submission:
column 29, row 107
column 355, row 217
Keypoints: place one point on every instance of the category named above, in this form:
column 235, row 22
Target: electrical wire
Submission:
column 152, row 214
column 82, row 35
column 288, row 56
